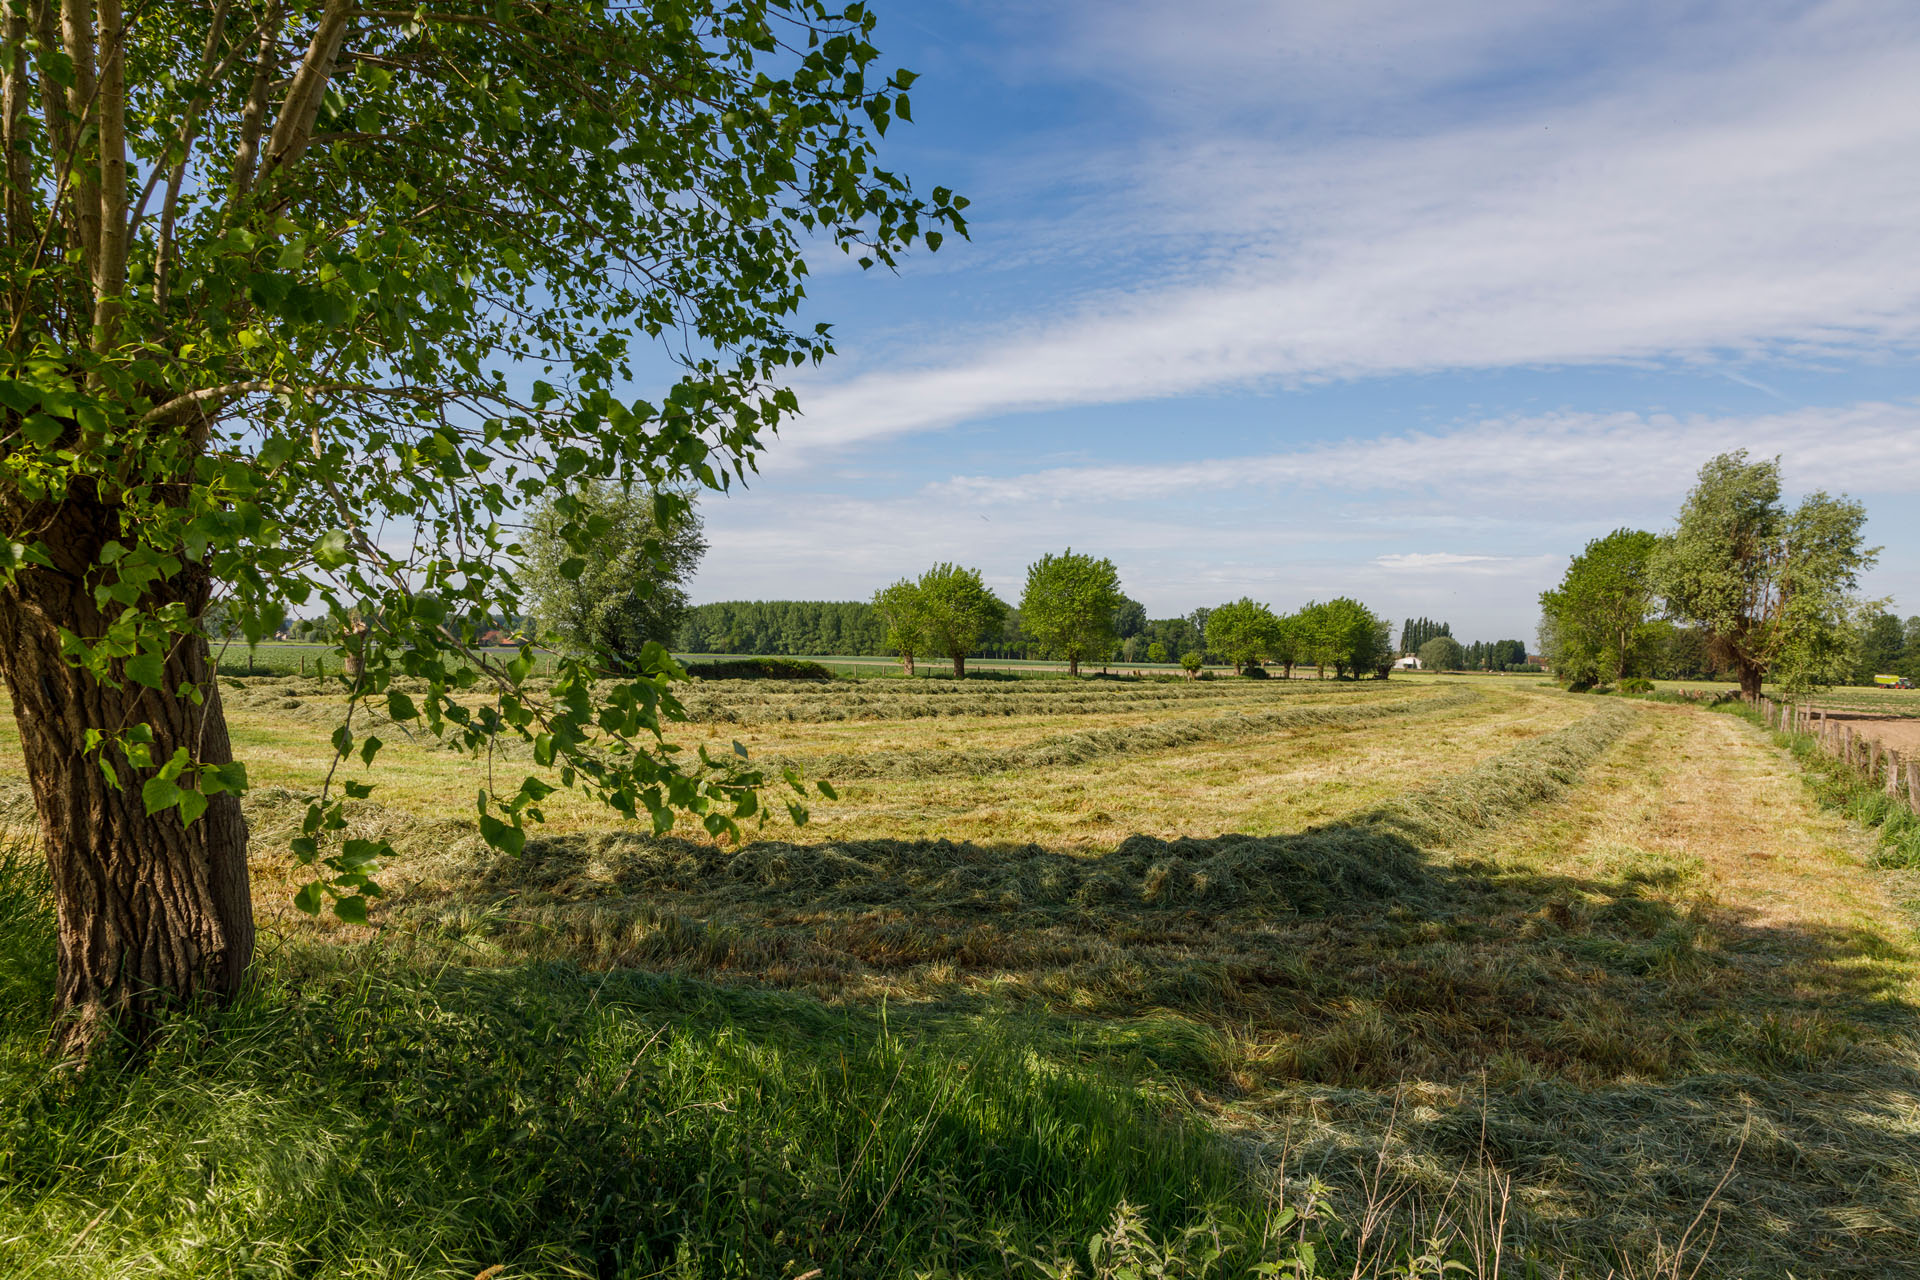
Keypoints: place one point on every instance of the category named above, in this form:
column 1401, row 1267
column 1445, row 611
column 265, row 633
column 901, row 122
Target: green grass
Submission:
column 1282, row 947
column 369, row 1113
column 1839, row 787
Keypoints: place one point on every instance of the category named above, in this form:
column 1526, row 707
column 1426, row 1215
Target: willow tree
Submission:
column 306, row 299
column 1772, row 587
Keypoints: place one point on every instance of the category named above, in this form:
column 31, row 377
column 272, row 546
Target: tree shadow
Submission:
column 1609, row 1042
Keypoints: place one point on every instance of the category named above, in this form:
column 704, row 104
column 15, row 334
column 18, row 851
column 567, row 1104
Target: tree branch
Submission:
column 254, row 115
column 76, row 20
column 110, row 267
column 293, row 129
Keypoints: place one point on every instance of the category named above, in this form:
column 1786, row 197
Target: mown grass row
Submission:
column 1067, row 749
column 1365, row 859
column 837, row 703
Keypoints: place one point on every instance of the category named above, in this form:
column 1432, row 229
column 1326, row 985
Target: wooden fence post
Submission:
column 1873, row 757
column 1913, row 785
column 1893, row 774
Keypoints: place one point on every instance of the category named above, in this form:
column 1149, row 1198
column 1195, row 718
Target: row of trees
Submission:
column 1415, row 632
column 1767, row 589
column 1443, row 653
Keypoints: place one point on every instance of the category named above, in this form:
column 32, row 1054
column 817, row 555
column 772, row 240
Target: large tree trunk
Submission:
column 959, row 666
column 150, row 911
column 1073, row 666
column 1751, row 675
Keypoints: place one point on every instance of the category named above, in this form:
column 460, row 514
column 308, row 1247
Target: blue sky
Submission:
column 1391, row 299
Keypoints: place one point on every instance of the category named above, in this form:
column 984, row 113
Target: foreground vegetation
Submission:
column 1464, row 958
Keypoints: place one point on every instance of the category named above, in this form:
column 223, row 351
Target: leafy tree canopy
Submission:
column 1343, row 634
column 628, row 589
column 904, row 610
column 1443, row 653
column 958, row 612
column 307, row 300
column 1602, row 607
column 1070, row 606
column 1244, row 632
column 1772, row 586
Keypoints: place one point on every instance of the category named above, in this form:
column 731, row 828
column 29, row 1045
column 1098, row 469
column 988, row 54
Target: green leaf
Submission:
column 400, row 706
column 357, row 790
column 159, row 793
column 308, row 899
column 826, row 789
column 330, row 549
column 192, row 805
column 149, row 669
column 352, row 909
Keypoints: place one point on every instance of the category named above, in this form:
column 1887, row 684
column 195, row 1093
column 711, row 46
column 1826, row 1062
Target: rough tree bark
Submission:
column 149, row 910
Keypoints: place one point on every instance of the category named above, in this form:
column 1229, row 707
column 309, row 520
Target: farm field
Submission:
column 1461, row 948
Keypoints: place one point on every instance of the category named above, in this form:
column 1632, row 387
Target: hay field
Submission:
column 1432, row 942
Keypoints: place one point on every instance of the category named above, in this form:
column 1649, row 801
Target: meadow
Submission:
column 1073, row 977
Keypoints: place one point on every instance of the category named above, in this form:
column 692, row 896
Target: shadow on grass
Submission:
column 1612, row 1043
column 371, row 1113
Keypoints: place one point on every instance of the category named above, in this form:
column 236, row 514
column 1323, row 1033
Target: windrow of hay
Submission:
column 898, row 700
column 1503, row 787
column 1068, row 749
column 1364, row 860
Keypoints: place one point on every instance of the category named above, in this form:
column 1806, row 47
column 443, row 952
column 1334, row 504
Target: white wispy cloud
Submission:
column 1423, row 560
column 1687, row 210
column 1471, row 522
column 1517, row 466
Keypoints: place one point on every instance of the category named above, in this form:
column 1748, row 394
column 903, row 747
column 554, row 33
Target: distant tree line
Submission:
column 1886, row 646
column 1072, row 610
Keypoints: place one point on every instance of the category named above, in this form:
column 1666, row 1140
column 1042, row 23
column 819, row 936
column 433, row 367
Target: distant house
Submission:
column 1408, row 663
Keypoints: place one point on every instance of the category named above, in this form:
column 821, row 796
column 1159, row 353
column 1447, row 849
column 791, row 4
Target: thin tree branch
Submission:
column 293, row 129
column 254, row 116
column 110, row 267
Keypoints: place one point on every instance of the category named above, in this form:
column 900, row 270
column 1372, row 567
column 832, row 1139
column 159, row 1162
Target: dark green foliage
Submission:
column 1415, row 632
column 1129, row 618
column 1443, row 653
column 1884, row 647
column 850, row 627
column 759, row 669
